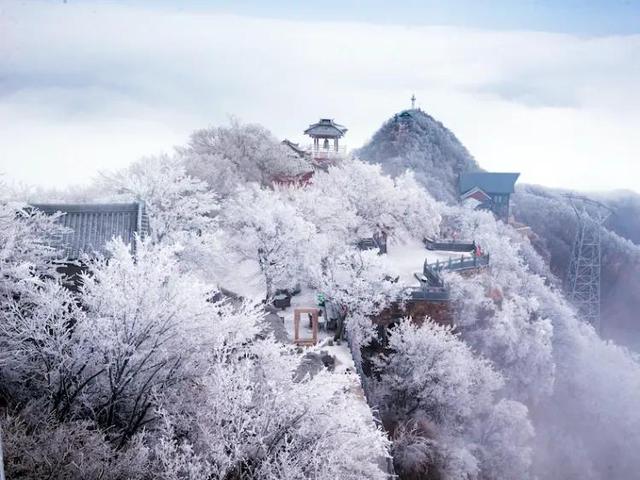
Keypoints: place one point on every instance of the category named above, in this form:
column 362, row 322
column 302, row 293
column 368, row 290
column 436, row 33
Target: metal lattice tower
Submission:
column 583, row 278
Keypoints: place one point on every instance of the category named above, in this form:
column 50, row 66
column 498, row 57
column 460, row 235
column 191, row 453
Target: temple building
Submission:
column 488, row 191
column 89, row 227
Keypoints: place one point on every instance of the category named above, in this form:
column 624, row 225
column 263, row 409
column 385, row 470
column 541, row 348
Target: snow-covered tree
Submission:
column 367, row 202
column 249, row 419
column 495, row 312
column 148, row 348
column 358, row 282
column 270, row 231
column 550, row 359
column 175, row 202
column 226, row 157
column 441, row 401
column 27, row 248
column 41, row 360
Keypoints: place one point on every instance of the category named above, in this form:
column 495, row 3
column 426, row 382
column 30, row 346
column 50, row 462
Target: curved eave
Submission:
column 325, row 131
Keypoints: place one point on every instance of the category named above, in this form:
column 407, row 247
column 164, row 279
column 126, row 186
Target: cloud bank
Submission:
column 91, row 87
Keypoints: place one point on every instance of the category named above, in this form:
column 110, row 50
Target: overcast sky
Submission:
column 547, row 88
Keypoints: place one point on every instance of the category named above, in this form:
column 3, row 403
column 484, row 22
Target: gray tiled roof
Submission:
column 490, row 182
column 326, row 127
column 295, row 147
column 91, row 226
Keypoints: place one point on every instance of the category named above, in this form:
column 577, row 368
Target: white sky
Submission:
column 95, row 86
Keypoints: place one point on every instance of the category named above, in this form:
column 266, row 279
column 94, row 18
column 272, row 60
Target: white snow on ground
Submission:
column 307, row 299
column 245, row 279
column 344, row 365
column 408, row 258
column 405, row 259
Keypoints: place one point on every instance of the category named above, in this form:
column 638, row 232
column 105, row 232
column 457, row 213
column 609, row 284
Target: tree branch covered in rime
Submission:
column 270, row 231
column 26, row 251
column 355, row 199
column 226, row 157
column 143, row 374
column 158, row 381
column 440, row 401
column 175, row 202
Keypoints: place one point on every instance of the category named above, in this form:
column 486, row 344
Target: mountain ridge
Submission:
column 413, row 139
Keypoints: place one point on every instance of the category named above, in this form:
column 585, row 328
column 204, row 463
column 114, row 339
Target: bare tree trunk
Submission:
column 1, row 461
column 263, row 262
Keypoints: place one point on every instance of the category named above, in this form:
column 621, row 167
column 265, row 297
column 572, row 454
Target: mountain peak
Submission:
column 414, row 139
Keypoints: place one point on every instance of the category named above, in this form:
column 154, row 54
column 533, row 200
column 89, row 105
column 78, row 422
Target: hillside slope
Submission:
column 412, row 139
column 551, row 217
column 415, row 140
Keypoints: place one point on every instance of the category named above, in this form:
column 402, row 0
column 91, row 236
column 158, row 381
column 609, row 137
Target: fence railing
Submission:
column 434, row 294
column 449, row 246
column 326, row 152
column 456, row 265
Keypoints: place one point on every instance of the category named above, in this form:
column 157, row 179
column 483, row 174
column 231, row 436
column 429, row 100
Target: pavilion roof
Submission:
column 489, row 182
column 326, row 128
column 92, row 226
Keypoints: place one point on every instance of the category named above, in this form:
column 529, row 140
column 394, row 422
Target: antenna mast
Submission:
column 583, row 277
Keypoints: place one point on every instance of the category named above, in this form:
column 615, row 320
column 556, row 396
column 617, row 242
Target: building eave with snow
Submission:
column 295, row 149
column 88, row 228
column 326, row 128
column 488, row 190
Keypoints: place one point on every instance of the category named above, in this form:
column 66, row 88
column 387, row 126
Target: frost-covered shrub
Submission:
column 37, row 447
